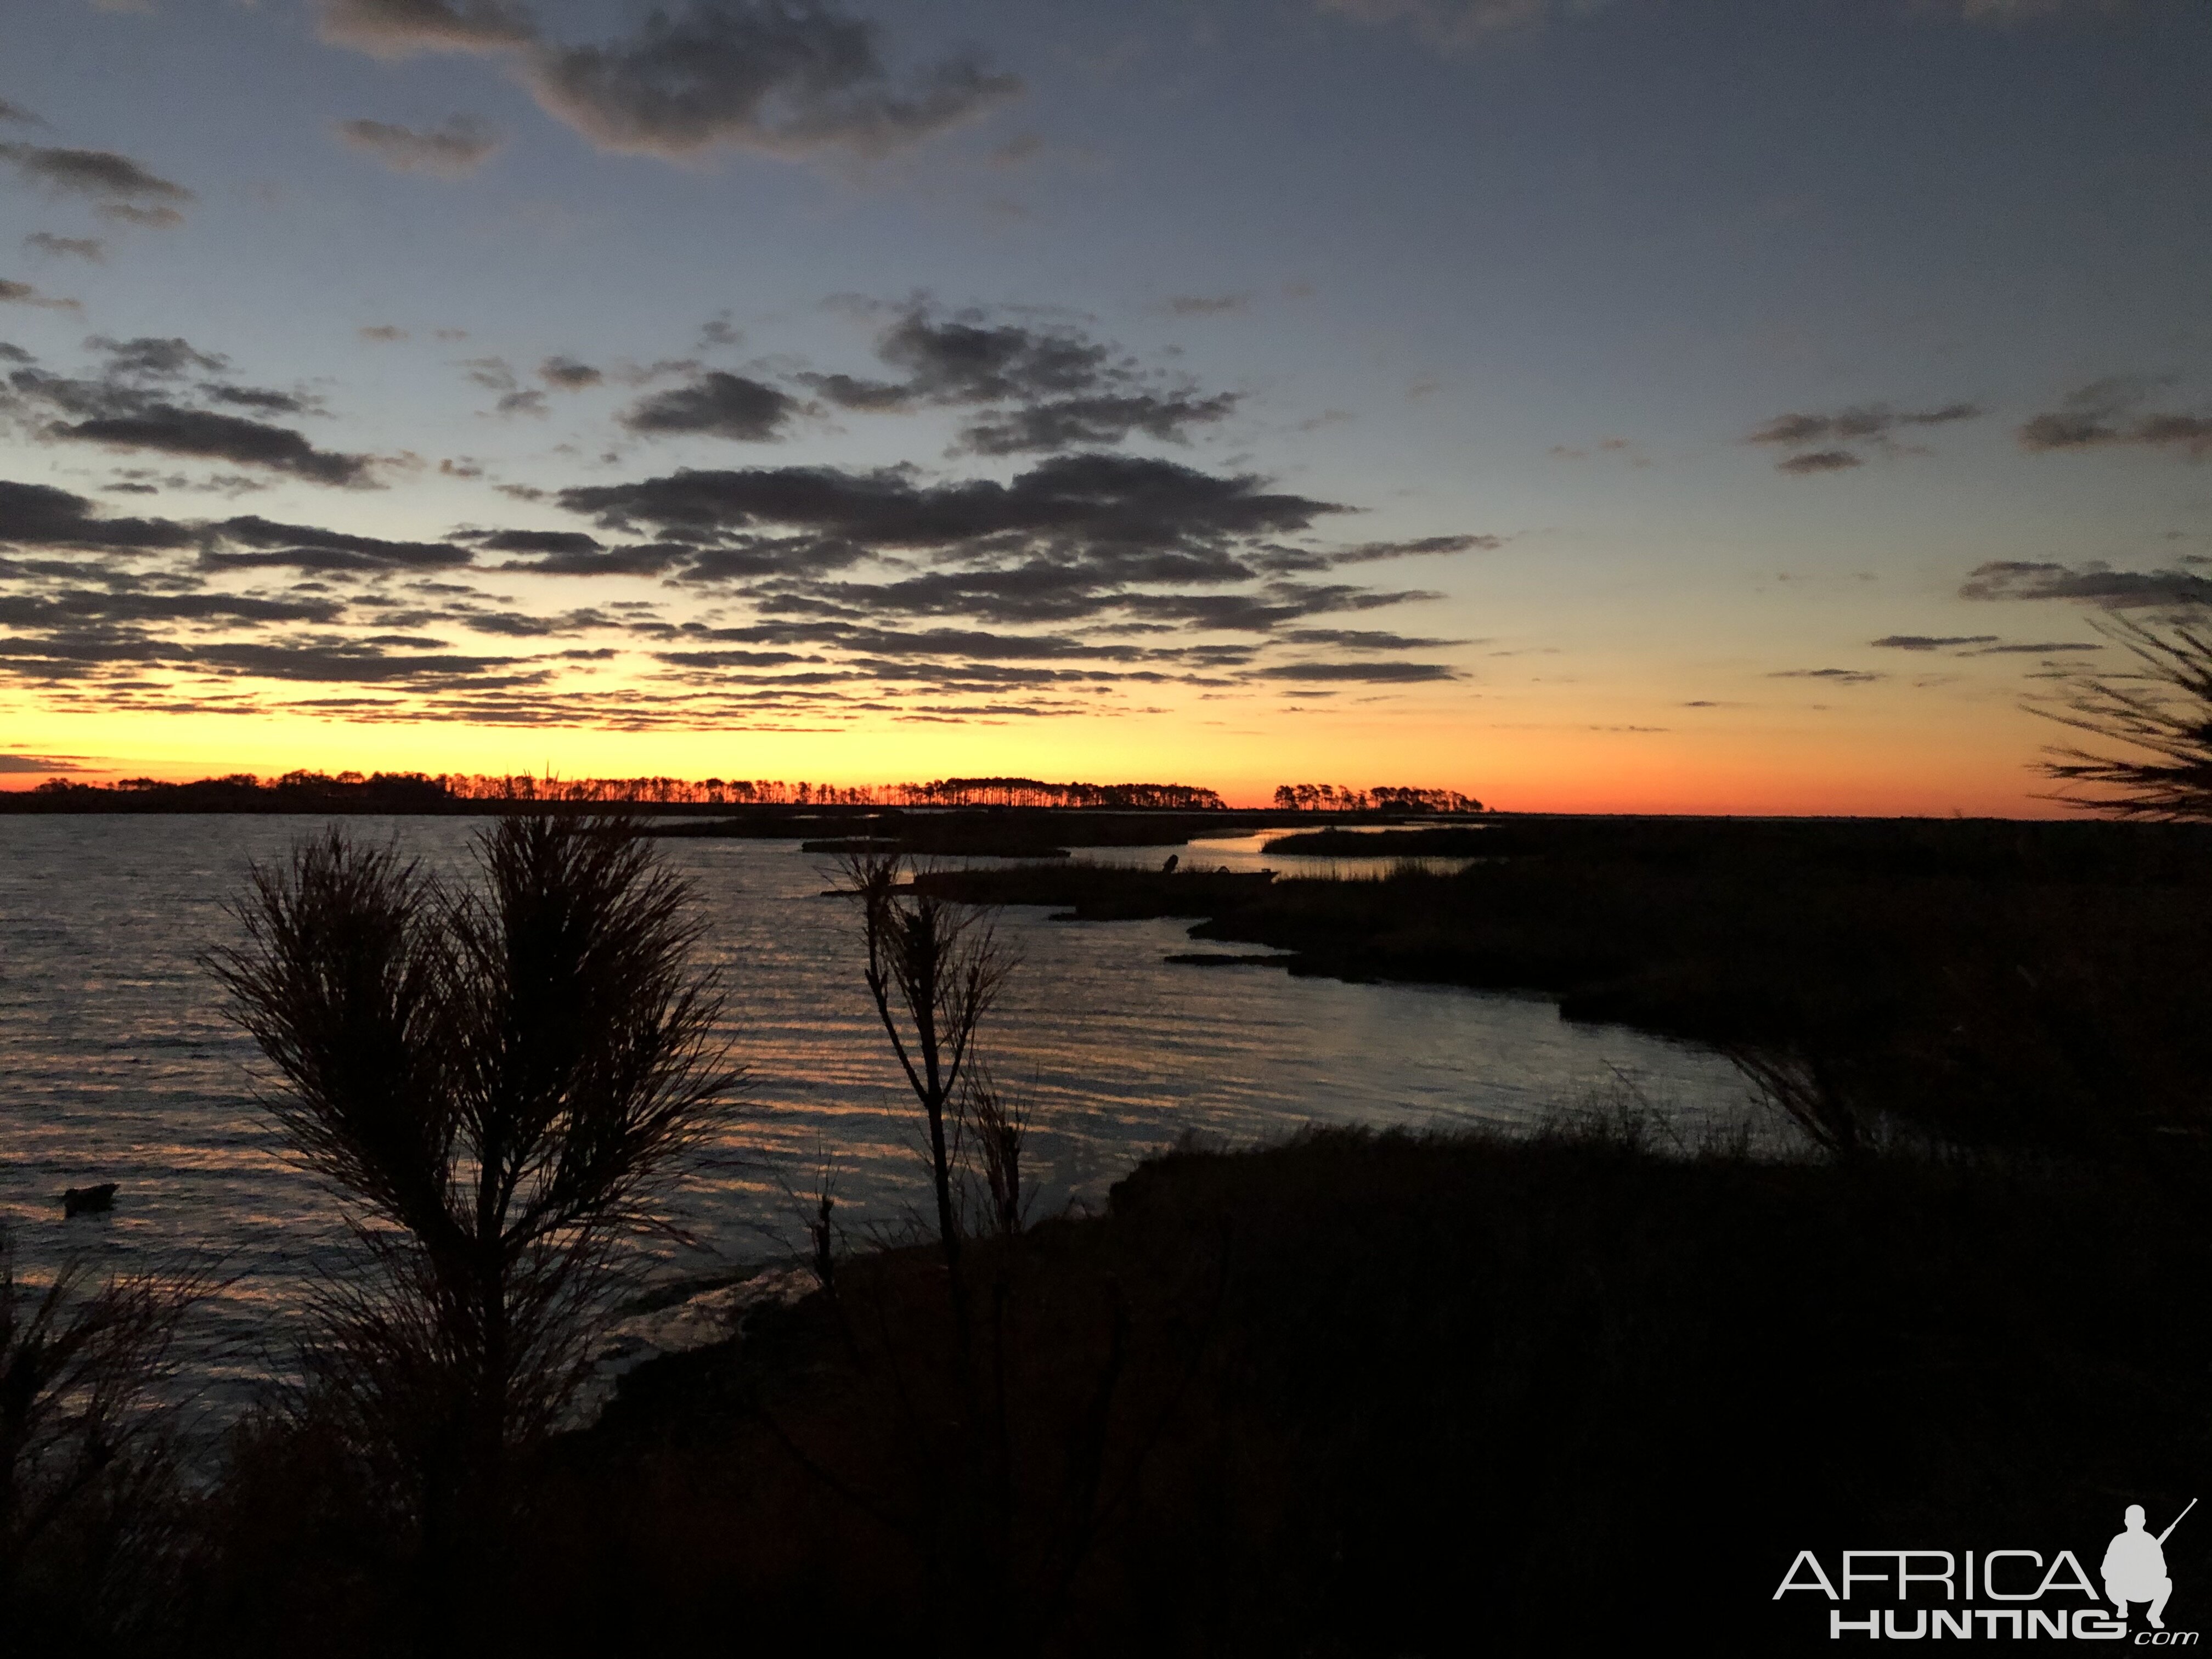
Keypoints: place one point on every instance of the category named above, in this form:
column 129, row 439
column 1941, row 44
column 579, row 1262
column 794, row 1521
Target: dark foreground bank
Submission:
column 1985, row 982
column 1358, row 1395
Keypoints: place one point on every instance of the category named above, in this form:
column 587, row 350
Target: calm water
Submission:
column 118, row 1065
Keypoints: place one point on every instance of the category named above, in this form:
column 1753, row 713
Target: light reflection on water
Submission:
column 120, row 1067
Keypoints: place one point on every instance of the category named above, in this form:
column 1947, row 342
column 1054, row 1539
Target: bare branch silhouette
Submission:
column 2163, row 708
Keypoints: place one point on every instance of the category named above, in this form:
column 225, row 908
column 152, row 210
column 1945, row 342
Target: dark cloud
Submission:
column 307, row 547
column 381, row 333
column 1356, row 639
column 202, row 434
column 1867, row 424
column 715, row 405
column 566, row 374
column 2042, row 648
column 22, row 294
column 1932, row 642
column 1369, row 552
column 1819, row 460
column 44, row 762
column 134, row 402
column 153, row 357
column 2094, row 583
column 99, row 173
column 637, row 559
column 1108, row 418
column 16, row 112
column 789, row 77
column 1369, row 673
column 1855, row 425
column 82, row 605
column 152, row 218
column 538, row 541
column 73, row 247
column 452, row 150
column 1101, row 499
column 259, row 398
column 1058, row 387
column 1264, row 612
column 40, row 515
column 967, row 359
column 1836, row 676
column 352, row 660
column 2106, row 413
column 730, row 658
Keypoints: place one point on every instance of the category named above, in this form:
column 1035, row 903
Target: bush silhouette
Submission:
column 494, row 1082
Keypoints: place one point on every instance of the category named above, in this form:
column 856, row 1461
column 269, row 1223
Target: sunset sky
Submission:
column 1654, row 404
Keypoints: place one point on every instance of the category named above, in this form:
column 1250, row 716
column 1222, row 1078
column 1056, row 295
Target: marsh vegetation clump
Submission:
column 89, row 1543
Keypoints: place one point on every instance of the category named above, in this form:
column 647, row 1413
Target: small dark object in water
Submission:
column 78, row 1199
column 1174, row 858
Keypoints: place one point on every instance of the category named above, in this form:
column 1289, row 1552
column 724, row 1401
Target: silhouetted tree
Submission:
column 934, row 968
column 2162, row 709
column 495, row 1082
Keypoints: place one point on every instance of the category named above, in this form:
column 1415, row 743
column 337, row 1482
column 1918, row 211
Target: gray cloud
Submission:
column 1819, row 460
column 790, row 78
column 22, row 294
column 2094, row 583
column 1932, row 642
column 128, row 189
column 2104, row 413
column 1835, row 676
column 1867, row 424
column 1855, row 425
column 397, row 28
column 16, row 112
column 73, row 247
column 566, row 374
column 453, row 151
column 716, row 405
column 152, row 218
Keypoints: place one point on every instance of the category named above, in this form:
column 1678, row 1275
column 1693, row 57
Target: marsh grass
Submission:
column 90, row 1470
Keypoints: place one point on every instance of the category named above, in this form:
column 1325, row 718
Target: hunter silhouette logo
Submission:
column 2135, row 1566
column 2018, row 1594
